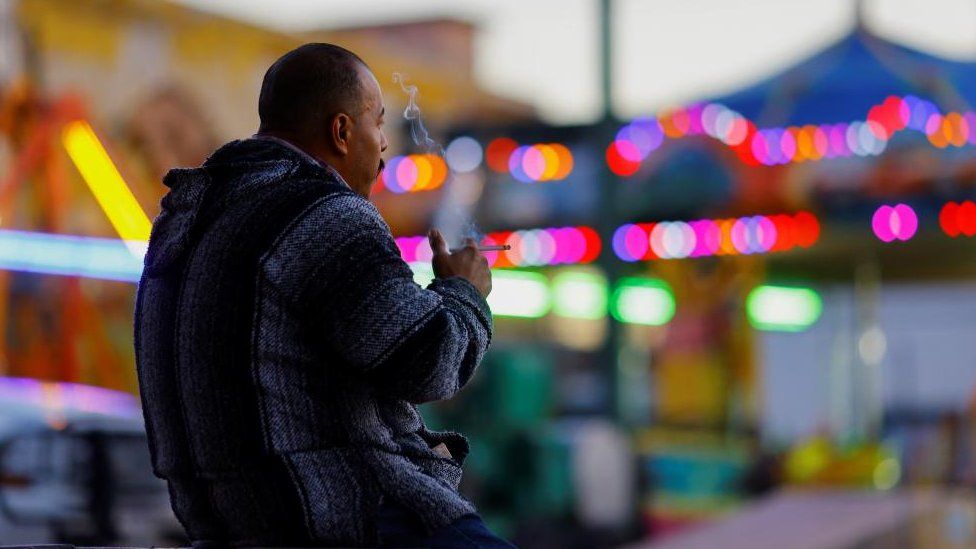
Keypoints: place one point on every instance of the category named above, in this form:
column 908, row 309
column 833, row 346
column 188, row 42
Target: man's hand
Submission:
column 467, row 262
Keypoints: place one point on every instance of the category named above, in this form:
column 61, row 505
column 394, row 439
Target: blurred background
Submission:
column 740, row 304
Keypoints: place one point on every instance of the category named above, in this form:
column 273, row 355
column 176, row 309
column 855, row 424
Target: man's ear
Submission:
column 341, row 132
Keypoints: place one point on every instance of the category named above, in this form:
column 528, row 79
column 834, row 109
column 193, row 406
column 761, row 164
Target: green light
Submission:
column 519, row 293
column 783, row 309
column 579, row 294
column 886, row 474
column 642, row 301
column 423, row 273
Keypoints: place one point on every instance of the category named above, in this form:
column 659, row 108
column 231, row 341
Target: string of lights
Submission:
column 635, row 141
column 710, row 237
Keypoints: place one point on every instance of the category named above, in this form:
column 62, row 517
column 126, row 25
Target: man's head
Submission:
column 324, row 99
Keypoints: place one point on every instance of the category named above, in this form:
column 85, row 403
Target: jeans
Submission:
column 400, row 527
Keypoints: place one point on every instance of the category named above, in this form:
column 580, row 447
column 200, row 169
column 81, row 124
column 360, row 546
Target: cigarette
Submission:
column 493, row 248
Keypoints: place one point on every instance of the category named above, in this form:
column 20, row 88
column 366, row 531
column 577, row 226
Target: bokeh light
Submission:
column 958, row 219
column 530, row 247
column 891, row 223
column 646, row 301
column 463, row 154
column 412, row 173
column 579, row 294
column 773, row 146
column 530, row 163
column 779, row 308
column 709, row 237
column 498, row 152
column 519, row 294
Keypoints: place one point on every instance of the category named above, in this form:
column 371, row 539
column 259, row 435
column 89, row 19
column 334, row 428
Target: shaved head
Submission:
column 324, row 100
column 307, row 86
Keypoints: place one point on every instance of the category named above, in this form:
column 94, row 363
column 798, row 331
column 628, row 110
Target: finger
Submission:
column 437, row 244
column 470, row 243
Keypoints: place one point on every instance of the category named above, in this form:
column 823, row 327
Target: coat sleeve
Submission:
column 360, row 298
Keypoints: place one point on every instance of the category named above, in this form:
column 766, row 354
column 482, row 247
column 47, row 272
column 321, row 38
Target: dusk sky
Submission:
column 668, row 52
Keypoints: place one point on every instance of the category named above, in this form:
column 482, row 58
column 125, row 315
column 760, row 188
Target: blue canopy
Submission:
column 843, row 81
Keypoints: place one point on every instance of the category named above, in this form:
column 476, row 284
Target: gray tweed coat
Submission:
column 282, row 346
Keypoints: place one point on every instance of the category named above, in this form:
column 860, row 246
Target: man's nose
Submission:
column 383, row 143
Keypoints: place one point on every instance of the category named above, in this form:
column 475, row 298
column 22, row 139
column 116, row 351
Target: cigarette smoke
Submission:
column 418, row 132
column 453, row 215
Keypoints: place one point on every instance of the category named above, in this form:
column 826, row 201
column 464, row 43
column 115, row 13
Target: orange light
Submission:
column 958, row 130
column 424, row 171
column 439, row 168
column 726, row 246
column 552, row 162
column 565, row 161
column 671, row 124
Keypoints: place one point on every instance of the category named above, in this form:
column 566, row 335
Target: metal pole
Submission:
column 606, row 59
column 610, row 352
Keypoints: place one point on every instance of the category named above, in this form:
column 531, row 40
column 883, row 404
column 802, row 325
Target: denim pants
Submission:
column 400, row 527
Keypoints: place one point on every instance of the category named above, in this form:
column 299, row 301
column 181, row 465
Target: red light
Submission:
column 966, row 218
column 647, row 228
column 592, row 244
column 785, row 232
column 949, row 219
column 498, row 152
column 618, row 164
column 807, row 229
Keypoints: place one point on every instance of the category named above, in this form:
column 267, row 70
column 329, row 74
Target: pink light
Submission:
column 564, row 243
column 533, row 163
column 635, row 241
column 766, row 236
column 424, row 253
column 740, row 236
column 712, row 237
column 695, row 119
column 970, row 118
column 907, row 221
column 577, row 245
column 628, row 150
column 760, row 150
column 933, row 124
column 406, row 174
column 700, row 229
column 492, row 257
column 788, row 146
column 882, row 225
column 838, row 140
column 738, row 133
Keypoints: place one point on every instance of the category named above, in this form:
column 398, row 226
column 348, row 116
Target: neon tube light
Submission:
column 105, row 182
column 104, row 258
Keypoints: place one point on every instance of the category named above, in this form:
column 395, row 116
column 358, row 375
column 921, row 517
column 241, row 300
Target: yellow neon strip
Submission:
column 105, row 182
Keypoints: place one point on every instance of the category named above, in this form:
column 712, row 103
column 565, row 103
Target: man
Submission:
column 282, row 345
